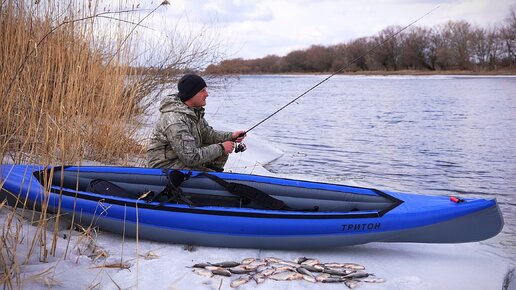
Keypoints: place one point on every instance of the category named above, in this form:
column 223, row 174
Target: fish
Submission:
column 247, row 261
column 357, row 275
column 311, row 268
column 354, row 266
column 335, row 272
column 333, row 279
column 308, row 269
column 286, row 276
column 259, row 278
column 222, row 272
column 201, row 265
column 304, row 271
column 321, row 277
column 226, row 264
column 268, row 271
column 288, row 263
column 301, row 259
column 203, row 272
column 239, row 270
column 311, row 262
column 334, row 265
column 372, row 280
column 309, row 278
column 240, row 281
column 342, row 270
column 283, row 268
column 272, row 260
column 351, row 283
column 257, row 264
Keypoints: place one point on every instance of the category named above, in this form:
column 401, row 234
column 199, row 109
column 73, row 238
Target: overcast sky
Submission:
column 256, row 28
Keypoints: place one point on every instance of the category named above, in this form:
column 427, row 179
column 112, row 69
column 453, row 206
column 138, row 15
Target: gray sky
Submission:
column 256, row 28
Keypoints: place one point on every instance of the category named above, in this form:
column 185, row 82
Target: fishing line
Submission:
column 339, row 70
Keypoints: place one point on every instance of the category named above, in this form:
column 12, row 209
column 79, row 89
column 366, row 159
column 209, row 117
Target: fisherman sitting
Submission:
column 182, row 138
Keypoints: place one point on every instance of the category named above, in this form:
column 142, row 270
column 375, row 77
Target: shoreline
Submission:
column 390, row 73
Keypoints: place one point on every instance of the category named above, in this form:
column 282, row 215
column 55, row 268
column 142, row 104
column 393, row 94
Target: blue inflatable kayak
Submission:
column 242, row 210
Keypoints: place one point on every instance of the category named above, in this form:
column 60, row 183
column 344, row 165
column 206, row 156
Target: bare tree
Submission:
column 318, row 58
column 356, row 50
column 508, row 36
column 294, row 61
column 171, row 53
column 485, row 50
column 416, row 49
column 458, row 35
column 388, row 55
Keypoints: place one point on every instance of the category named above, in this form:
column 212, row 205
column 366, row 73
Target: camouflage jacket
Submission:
column 182, row 139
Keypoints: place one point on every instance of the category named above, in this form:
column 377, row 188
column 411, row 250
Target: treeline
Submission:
column 456, row 45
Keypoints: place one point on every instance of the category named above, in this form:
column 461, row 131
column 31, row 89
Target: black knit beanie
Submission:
column 189, row 85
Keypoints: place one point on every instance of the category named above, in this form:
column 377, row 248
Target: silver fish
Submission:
column 240, row 281
column 333, row 279
column 284, row 268
column 226, row 264
column 304, row 271
column 239, row 270
column 354, row 266
column 257, row 264
column 247, row 261
column 288, row 263
column 212, row 268
column 259, row 278
column 222, row 272
column 272, row 260
column 372, row 280
column 321, row 277
column 357, row 275
column 311, row 269
column 203, row 272
column 286, row 276
column 309, row 278
column 335, row 272
column 301, row 260
column 268, row 272
column 351, row 283
column 334, row 265
column 311, row 262
column 201, row 265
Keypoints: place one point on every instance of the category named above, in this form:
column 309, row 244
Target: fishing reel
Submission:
column 240, row 147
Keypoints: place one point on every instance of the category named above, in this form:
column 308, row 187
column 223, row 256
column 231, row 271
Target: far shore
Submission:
column 398, row 72
column 419, row 72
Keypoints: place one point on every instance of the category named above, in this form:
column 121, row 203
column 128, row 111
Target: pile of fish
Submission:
column 303, row 268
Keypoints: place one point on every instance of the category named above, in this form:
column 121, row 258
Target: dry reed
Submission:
column 71, row 92
column 65, row 97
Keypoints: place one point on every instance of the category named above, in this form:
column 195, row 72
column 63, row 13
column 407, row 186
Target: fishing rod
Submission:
column 334, row 73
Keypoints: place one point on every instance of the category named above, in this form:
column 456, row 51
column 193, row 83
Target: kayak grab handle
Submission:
column 456, row 199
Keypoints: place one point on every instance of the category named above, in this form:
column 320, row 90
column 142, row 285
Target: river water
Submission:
column 440, row 135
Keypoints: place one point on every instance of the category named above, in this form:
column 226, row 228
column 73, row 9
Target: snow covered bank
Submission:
column 109, row 261
column 150, row 265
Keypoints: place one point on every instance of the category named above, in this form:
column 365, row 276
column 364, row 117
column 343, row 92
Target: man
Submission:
column 182, row 139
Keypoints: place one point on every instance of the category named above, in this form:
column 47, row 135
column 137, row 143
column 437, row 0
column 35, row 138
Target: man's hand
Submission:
column 238, row 136
column 228, row 146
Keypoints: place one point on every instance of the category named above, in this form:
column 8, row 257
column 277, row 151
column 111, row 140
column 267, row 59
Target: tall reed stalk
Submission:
column 66, row 96
column 74, row 83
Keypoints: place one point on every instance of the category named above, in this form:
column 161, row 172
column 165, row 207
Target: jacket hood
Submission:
column 172, row 103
